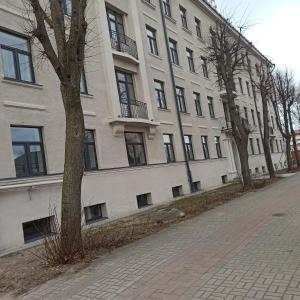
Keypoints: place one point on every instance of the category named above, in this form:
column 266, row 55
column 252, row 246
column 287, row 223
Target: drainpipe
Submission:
column 187, row 165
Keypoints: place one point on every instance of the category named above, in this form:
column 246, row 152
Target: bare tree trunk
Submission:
column 73, row 171
column 293, row 133
column 244, row 160
column 288, row 153
column 266, row 140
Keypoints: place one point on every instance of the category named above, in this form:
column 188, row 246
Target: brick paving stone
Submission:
column 235, row 251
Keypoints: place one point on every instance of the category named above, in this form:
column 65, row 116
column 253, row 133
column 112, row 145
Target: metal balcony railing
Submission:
column 134, row 109
column 123, row 43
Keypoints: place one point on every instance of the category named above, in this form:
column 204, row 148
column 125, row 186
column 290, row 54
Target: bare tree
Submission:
column 282, row 102
column 264, row 85
column 63, row 43
column 226, row 52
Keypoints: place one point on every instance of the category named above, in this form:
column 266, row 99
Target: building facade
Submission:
column 155, row 117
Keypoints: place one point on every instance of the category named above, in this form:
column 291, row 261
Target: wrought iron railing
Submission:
column 123, row 43
column 134, row 109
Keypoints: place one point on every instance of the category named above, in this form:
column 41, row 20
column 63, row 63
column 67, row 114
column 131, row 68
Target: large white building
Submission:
column 136, row 134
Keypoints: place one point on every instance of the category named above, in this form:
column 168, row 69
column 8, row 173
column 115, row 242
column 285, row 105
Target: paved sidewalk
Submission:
column 248, row 248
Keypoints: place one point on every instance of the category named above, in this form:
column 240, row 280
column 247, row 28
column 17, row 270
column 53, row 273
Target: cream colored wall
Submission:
column 116, row 184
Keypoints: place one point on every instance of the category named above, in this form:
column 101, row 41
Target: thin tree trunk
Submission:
column 293, row 133
column 288, row 153
column 244, row 160
column 73, row 171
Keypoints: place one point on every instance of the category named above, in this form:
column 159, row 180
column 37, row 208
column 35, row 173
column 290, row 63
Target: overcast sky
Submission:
column 275, row 28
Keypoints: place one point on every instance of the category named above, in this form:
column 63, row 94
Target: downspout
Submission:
column 188, row 169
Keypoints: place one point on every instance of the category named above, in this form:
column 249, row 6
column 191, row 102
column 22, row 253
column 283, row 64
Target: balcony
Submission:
column 123, row 43
column 225, row 125
column 136, row 110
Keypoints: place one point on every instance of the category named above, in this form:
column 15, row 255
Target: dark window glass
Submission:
column 143, row 200
column 177, row 191
column 93, row 213
column 28, row 151
column 190, row 58
column 246, row 113
column 253, row 117
column 152, row 42
column 258, row 146
column 16, row 57
column 173, row 52
column 135, row 148
column 83, row 84
column 90, row 156
column 37, row 229
column 204, row 67
column 252, row 146
column 259, row 119
column 241, row 85
column 116, row 29
column 277, row 146
column 189, row 147
column 198, row 28
column 198, row 104
column 183, row 17
column 204, row 140
column 218, row 146
column 211, row 107
column 180, row 99
column 167, row 8
column 169, row 147
column 160, row 94
column 248, row 88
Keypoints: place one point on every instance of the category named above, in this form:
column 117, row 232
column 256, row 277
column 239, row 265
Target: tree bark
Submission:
column 293, row 133
column 71, row 238
column 244, row 160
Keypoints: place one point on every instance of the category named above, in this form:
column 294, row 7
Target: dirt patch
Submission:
column 23, row 270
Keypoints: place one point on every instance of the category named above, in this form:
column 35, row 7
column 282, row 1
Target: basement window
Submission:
column 224, row 179
column 95, row 213
column 257, row 170
column 177, row 191
column 196, row 186
column 37, row 229
column 263, row 169
column 144, row 200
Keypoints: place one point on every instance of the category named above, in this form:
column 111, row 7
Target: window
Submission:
column 28, row 151
column 204, row 67
column 272, row 145
column 238, row 110
column 173, row 52
column 94, row 213
column 241, row 85
column 180, row 99
column 152, row 42
column 37, row 229
column 16, row 57
column 258, row 118
column 167, row 8
column 211, row 107
column 116, row 30
column 277, row 146
column 90, row 157
column 143, row 200
column 177, row 191
column 169, row 147
column 218, row 146
column 272, row 120
column 197, row 103
column 258, row 146
column 257, row 170
column 224, row 179
column 160, row 94
column 253, row 117
column 198, row 28
column 135, row 148
column 196, row 186
column 248, row 88
column 189, row 147
column 281, row 146
column 263, row 169
column 190, row 57
column 204, row 141
column 252, row 146
column 246, row 113
column 183, row 17
column 83, row 84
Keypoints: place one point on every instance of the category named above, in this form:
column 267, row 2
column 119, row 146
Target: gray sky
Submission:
column 275, row 28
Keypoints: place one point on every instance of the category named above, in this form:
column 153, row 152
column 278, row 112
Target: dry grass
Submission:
column 22, row 271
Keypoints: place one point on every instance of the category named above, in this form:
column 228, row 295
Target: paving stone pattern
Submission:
column 248, row 248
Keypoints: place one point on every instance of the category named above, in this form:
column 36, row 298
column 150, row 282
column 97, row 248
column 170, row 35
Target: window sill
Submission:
column 187, row 30
column 155, row 56
column 170, row 19
column 94, row 221
column 23, row 83
column 89, row 96
column 164, row 109
column 151, row 5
